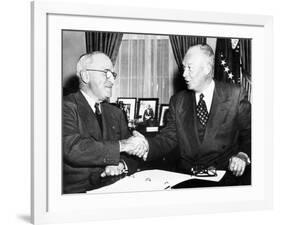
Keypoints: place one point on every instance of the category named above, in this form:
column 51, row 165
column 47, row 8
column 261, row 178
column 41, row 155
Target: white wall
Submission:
column 15, row 111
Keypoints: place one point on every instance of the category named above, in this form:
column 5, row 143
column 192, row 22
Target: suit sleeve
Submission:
column 85, row 151
column 166, row 141
column 244, row 123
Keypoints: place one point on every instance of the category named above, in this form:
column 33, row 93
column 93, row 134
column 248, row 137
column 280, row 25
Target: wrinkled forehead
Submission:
column 193, row 56
column 99, row 61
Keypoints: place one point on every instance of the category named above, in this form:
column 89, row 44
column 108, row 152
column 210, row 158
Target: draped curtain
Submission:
column 107, row 42
column 246, row 60
column 180, row 45
column 146, row 68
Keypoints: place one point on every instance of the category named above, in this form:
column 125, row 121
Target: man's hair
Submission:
column 83, row 63
column 208, row 52
column 85, row 60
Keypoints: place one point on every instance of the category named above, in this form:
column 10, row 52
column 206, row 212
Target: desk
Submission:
column 152, row 180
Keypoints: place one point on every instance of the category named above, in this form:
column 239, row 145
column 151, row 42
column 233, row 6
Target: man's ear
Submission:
column 85, row 77
column 207, row 68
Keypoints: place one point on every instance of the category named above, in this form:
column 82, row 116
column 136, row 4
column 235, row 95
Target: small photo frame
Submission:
column 128, row 105
column 164, row 108
column 147, row 109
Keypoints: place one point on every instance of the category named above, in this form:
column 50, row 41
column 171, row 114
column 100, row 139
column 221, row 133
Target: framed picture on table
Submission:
column 49, row 20
column 128, row 105
column 147, row 109
column 163, row 114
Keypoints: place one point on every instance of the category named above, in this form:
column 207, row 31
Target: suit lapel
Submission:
column 189, row 121
column 218, row 111
column 87, row 115
column 107, row 118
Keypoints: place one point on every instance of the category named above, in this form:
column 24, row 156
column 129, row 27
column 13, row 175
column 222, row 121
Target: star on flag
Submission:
column 227, row 70
column 230, row 75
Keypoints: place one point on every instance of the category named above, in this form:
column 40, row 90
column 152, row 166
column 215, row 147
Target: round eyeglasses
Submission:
column 108, row 73
column 200, row 171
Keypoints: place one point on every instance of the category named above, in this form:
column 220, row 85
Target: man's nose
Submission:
column 185, row 73
column 111, row 79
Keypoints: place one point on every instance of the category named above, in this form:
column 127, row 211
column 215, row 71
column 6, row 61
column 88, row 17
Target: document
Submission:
column 152, row 180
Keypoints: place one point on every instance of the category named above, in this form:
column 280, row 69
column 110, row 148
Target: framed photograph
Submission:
column 128, row 106
column 163, row 114
column 49, row 20
column 147, row 109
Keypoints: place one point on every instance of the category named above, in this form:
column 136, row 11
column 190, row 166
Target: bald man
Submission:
column 210, row 122
column 92, row 128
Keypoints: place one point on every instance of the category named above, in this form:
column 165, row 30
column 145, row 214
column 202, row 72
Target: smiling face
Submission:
column 97, row 85
column 197, row 69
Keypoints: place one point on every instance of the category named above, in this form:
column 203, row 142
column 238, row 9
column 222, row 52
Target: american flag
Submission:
column 227, row 61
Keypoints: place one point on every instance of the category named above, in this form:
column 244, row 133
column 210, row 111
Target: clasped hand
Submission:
column 237, row 166
column 136, row 145
column 113, row 170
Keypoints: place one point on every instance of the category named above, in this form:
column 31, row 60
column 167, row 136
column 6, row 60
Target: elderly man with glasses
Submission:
column 92, row 128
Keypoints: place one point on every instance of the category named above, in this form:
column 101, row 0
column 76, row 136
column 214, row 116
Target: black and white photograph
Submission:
column 147, row 109
column 207, row 134
column 128, row 105
column 149, row 112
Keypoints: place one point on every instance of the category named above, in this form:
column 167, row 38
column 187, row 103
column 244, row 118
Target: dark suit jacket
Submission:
column 228, row 129
column 86, row 151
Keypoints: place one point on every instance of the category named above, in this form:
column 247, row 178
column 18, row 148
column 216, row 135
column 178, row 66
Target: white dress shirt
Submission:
column 92, row 101
column 208, row 95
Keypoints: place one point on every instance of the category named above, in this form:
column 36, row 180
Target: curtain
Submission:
column 246, row 47
column 246, row 61
column 107, row 42
column 180, row 45
column 145, row 66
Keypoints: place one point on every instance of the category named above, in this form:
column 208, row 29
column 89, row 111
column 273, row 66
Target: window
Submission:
column 146, row 68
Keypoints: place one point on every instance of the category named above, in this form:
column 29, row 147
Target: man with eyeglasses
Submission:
column 92, row 128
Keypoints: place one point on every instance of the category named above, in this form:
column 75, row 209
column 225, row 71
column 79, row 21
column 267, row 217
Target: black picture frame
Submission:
column 129, row 105
column 163, row 113
column 150, row 105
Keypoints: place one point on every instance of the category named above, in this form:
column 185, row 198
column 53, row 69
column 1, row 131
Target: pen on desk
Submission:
column 168, row 187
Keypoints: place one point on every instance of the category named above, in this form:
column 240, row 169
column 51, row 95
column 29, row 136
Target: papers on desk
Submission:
column 152, row 180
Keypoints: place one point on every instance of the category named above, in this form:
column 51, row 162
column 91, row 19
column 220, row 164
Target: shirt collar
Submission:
column 92, row 101
column 208, row 95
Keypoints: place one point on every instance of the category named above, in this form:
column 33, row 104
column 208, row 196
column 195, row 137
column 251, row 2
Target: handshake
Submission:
column 136, row 145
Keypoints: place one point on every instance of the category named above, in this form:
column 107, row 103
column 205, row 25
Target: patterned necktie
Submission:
column 98, row 114
column 202, row 112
